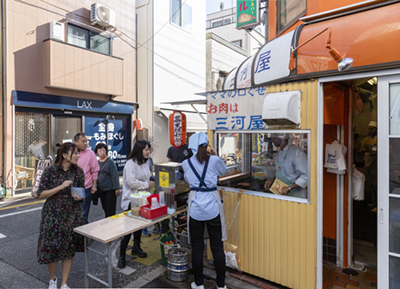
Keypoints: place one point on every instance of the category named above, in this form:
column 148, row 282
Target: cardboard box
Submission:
column 135, row 211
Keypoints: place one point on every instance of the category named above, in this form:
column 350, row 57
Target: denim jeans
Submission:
column 214, row 229
column 85, row 205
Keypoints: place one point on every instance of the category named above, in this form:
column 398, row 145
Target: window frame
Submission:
column 172, row 14
column 240, row 41
column 305, row 200
column 91, row 33
column 280, row 29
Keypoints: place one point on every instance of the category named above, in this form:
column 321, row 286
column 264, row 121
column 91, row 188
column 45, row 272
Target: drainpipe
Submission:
column 3, row 86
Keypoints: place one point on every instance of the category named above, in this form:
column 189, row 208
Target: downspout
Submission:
column 3, row 86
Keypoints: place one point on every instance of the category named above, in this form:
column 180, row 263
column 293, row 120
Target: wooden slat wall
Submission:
column 278, row 239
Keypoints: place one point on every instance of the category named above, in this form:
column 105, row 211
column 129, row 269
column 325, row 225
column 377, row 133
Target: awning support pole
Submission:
column 199, row 113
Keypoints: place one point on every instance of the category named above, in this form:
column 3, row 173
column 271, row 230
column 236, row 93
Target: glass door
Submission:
column 64, row 129
column 389, row 182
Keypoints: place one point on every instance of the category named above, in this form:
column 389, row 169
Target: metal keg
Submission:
column 178, row 264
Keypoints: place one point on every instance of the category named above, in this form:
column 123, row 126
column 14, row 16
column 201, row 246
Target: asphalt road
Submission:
column 19, row 230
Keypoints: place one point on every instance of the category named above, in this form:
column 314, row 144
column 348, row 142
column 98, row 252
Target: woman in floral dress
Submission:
column 61, row 213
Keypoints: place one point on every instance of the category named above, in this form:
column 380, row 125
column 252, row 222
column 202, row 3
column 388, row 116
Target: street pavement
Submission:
column 19, row 230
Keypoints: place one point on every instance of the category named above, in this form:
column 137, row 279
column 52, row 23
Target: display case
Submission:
column 251, row 158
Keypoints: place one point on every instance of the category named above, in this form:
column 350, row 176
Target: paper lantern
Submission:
column 177, row 128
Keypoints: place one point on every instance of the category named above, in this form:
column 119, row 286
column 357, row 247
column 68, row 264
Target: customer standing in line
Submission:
column 107, row 181
column 205, row 207
column 136, row 176
column 88, row 162
column 61, row 213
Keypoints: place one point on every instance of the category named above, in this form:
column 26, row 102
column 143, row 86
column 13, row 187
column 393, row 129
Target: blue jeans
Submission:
column 85, row 205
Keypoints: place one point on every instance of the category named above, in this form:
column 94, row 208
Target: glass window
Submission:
column 31, row 144
column 237, row 42
column 217, row 24
column 78, row 36
column 88, row 39
column 181, row 14
column 394, row 108
column 289, row 11
column 100, row 43
column 268, row 162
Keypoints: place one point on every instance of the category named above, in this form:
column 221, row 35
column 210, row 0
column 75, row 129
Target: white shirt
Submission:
column 135, row 177
column 295, row 165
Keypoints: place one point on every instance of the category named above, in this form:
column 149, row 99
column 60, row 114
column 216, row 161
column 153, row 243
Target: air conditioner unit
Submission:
column 57, row 30
column 282, row 108
column 102, row 16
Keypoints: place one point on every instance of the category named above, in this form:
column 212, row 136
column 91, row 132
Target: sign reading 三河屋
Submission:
column 236, row 109
column 247, row 13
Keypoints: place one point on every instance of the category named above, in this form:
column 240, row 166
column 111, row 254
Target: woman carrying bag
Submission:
column 61, row 213
column 205, row 207
column 136, row 177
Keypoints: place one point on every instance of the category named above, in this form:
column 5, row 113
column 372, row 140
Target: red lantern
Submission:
column 177, row 128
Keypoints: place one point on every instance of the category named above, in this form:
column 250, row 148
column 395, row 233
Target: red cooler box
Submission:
column 147, row 213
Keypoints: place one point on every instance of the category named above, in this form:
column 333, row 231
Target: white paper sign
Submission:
column 236, row 109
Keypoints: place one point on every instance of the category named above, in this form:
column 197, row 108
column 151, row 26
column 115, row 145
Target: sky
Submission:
column 213, row 5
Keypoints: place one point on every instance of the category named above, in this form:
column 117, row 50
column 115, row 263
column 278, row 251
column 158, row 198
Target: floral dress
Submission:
column 60, row 215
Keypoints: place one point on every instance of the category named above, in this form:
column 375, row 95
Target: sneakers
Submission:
column 65, row 286
column 221, row 287
column 194, row 286
column 146, row 232
column 53, row 284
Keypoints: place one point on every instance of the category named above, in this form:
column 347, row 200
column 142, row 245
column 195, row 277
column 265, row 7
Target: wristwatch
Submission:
column 289, row 188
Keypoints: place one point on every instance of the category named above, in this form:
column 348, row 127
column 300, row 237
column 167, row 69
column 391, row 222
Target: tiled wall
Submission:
column 27, row 26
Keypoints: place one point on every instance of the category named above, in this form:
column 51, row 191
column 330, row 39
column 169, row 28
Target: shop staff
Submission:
column 205, row 207
column 291, row 167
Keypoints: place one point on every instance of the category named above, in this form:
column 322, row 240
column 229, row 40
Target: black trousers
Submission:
column 108, row 202
column 214, row 229
column 136, row 238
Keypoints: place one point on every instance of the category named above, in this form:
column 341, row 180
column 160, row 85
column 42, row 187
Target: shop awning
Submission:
column 196, row 117
column 370, row 35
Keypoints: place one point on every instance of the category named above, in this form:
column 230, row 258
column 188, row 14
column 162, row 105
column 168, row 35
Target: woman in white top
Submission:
column 136, row 177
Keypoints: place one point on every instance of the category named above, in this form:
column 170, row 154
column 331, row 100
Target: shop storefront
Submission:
column 307, row 100
column 43, row 120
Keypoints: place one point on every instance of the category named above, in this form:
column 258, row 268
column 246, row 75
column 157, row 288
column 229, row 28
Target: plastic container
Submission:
column 147, row 213
column 135, row 200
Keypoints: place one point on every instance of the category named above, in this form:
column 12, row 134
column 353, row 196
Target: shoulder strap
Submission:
column 201, row 179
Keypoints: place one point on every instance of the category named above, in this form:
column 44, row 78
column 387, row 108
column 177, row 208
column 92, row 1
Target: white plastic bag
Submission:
column 335, row 158
column 357, row 182
column 231, row 261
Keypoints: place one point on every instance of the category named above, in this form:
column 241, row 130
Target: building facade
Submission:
column 70, row 67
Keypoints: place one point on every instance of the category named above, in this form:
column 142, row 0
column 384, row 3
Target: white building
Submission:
column 171, row 57
column 226, row 46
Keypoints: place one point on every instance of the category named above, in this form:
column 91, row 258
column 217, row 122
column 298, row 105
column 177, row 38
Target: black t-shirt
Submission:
column 180, row 154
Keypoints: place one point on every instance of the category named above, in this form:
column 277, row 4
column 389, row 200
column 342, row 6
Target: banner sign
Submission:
column 39, row 171
column 247, row 13
column 98, row 129
column 236, row 109
column 177, row 128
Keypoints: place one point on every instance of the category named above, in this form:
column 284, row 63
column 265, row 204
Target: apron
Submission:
column 203, row 188
column 281, row 175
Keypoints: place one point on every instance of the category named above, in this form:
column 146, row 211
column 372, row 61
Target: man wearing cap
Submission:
column 291, row 167
column 369, row 149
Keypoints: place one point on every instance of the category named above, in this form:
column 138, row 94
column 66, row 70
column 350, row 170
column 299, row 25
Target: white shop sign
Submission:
column 236, row 109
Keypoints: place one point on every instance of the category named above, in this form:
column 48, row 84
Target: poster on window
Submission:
column 236, row 109
column 99, row 129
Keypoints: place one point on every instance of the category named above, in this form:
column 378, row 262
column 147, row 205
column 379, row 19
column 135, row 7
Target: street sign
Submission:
column 247, row 13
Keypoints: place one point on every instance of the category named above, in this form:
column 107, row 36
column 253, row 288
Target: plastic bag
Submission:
column 357, row 182
column 335, row 158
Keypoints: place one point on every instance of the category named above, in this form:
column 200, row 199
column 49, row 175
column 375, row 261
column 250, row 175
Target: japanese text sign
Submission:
column 247, row 13
column 236, row 109
column 177, row 128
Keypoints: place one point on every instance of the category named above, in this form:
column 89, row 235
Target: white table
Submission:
column 109, row 229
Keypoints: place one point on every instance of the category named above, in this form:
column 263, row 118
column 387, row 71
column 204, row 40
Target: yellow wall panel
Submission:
column 278, row 239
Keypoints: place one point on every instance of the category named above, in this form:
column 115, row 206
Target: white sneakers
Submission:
column 194, row 286
column 222, row 287
column 53, row 284
column 65, row 286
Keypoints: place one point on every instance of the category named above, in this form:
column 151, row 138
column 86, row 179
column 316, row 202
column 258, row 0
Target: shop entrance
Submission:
column 65, row 128
column 350, row 222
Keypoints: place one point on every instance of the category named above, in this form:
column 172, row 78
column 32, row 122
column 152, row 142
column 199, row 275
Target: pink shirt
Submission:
column 88, row 162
